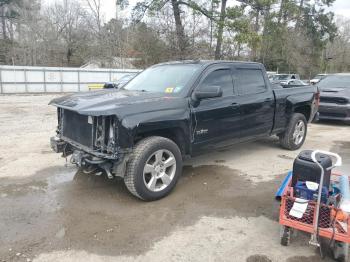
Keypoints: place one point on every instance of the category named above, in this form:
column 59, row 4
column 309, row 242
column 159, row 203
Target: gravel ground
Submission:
column 222, row 208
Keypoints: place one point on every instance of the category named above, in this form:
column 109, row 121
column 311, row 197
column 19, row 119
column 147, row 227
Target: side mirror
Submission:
column 207, row 92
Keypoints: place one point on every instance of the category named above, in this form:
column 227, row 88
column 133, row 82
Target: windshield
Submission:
column 335, row 81
column 280, row 77
column 319, row 76
column 164, row 78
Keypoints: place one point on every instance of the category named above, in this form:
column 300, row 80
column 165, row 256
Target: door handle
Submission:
column 235, row 105
column 268, row 100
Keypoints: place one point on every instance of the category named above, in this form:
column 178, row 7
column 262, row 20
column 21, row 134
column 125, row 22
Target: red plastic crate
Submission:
column 305, row 223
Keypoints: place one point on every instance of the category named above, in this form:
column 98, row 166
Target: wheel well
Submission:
column 174, row 134
column 305, row 110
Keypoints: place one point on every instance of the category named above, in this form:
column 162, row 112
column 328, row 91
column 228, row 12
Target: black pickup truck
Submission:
column 143, row 131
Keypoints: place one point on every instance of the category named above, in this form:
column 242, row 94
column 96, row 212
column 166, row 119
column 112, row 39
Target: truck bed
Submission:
column 289, row 98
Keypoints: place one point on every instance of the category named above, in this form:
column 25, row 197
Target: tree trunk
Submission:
column 211, row 26
column 265, row 42
column 256, row 29
column 69, row 56
column 300, row 15
column 301, row 5
column 180, row 34
column 3, row 22
column 281, row 11
column 220, row 30
column 11, row 31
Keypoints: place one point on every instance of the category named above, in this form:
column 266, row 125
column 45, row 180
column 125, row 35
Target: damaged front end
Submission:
column 90, row 140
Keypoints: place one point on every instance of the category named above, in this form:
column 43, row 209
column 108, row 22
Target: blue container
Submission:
column 301, row 191
column 283, row 186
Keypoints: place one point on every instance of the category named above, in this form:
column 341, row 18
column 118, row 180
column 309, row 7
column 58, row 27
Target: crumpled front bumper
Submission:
column 113, row 165
column 67, row 146
column 79, row 156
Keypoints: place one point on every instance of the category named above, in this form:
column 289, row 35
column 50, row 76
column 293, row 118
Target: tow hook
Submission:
column 106, row 166
column 77, row 158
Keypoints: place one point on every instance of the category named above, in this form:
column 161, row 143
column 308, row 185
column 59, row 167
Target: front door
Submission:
column 216, row 120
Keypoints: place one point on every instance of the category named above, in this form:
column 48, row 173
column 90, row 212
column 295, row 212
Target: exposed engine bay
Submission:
column 90, row 141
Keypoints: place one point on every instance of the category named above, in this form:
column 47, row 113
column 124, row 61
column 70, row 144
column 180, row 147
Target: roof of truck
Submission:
column 205, row 62
column 342, row 74
column 284, row 74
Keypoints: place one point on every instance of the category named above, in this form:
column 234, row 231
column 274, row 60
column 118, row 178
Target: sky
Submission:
column 340, row 7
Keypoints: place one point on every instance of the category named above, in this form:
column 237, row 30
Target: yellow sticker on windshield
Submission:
column 169, row 89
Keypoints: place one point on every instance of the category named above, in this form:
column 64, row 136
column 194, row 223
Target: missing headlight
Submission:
column 59, row 120
column 105, row 133
column 111, row 135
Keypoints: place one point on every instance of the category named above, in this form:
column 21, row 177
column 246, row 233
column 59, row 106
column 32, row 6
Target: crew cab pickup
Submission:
column 144, row 130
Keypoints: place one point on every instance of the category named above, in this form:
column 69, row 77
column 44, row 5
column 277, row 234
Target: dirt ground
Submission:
column 223, row 208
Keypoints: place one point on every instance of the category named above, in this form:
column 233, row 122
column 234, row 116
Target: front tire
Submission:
column 294, row 135
column 154, row 168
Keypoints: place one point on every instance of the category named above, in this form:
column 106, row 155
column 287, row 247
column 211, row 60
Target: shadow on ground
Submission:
column 59, row 209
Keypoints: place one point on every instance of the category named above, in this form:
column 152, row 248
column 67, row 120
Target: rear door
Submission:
column 257, row 103
column 216, row 119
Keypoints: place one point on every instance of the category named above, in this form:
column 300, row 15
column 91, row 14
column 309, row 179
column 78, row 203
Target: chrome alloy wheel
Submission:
column 159, row 170
column 299, row 132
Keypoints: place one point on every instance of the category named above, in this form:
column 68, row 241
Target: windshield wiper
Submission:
column 142, row 90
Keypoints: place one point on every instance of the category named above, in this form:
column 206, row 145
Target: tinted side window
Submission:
column 249, row 81
column 222, row 78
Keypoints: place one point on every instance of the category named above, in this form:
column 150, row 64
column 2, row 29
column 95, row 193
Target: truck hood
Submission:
column 117, row 102
column 337, row 92
column 332, row 90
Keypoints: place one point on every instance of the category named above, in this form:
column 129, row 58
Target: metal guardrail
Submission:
column 26, row 79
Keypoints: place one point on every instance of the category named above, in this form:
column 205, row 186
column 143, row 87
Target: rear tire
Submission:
column 294, row 135
column 153, row 168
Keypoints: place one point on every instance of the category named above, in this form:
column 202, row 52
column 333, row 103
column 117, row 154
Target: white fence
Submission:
column 28, row 79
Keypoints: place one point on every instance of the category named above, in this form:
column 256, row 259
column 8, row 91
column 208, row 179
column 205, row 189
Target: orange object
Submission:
column 339, row 215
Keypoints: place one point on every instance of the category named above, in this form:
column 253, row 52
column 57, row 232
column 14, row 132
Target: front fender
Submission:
column 154, row 123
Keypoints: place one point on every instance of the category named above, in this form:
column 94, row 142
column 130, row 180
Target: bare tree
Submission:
column 95, row 9
column 220, row 29
column 68, row 21
column 337, row 53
